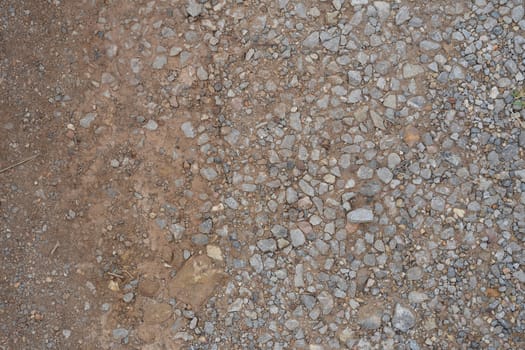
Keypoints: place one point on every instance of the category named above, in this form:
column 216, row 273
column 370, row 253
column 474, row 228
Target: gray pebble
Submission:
column 404, row 318
column 120, row 333
column 187, row 129
column 297, row 237
column 151, row 125
column 267, row 245
column 87, row 120
column 360, row 215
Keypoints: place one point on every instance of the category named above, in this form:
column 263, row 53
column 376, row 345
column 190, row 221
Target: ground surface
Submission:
column 262, row 174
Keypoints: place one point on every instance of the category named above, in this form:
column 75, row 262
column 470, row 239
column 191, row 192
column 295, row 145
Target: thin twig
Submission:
column 116, row 275
column 17, row 164
column 57, row 244
column 129, row 274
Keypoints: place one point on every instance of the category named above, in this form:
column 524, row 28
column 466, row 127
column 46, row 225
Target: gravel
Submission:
column 357, row 164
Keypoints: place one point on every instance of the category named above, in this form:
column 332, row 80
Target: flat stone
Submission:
column 369, row 316
column 187, row 129
column 267, row 245
column 326, row 301
column 360, row 215
column 156, row 313
column 297, row 237
column 209, row 174
column 457, row 73
column 194, row 8
column 383, row 9
column 196, row 281
column 377, row 120
column 404, row 318
column 354, row 77
column 414, row 273
column 148, row 287
column 517, row 13
column 411, row 70
column 214, row 252
column 402, row 15
column 417, row 297
column 427, row 45
column 393, row 160
column 87, row 120
column 159, row 62
column 411, row 136
column 151, row 125
column 311, row 40
column 120, row 333
column 390, row 101
column 385, row 175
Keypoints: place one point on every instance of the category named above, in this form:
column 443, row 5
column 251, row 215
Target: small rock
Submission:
column 517, row 13
column 390, row 101
column 193, row 8
column 404, row 318
column 414, row 273
column 187, row 129
column 155, row 313
column 402, row 15
column 128, row 297
column 411, row 136
column 151, row 125
column 457, row 73
column 326, row 301
column 267, row 245
column 297, row 237
column 159, row 62
column 87, row 120
column 311, row 40
column 209, row 174
column 360, row 215
column 214, row 252
column 354, row 77
column 385, row 175
column 66, row 333
column 428, row 45
column 369, row 317
column 120, row 333
column 411, row 70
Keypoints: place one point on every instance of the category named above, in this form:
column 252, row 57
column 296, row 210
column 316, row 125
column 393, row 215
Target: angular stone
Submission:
column 196, row 281
column 402, row 15
column 311, row 40
column 267, row 245
column 87, row 120
column 194, row 8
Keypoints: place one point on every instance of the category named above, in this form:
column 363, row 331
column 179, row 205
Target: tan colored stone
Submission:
column 411, row 136
column 196, row 281
column 155, row 313
column 214, row 252
column 149, row 287
column 147, row 333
